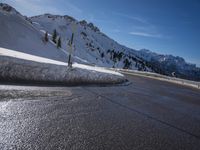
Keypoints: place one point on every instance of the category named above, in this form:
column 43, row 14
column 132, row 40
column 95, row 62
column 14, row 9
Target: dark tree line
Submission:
column 55, row 38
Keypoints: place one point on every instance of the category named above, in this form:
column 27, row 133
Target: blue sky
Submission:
column 163, row 26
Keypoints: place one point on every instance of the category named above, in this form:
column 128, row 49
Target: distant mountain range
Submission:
column 25, row 34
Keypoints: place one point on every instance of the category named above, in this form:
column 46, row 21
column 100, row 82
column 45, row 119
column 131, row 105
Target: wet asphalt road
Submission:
column 147, row 114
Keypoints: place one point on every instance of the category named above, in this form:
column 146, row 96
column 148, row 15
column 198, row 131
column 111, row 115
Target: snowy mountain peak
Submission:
column 145, row 50
column 8, row 9
column 70, row 19
column 83, row 22
column 55, row 17
column 90, row 25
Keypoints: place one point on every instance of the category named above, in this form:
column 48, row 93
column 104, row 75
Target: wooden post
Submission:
column 71, row 45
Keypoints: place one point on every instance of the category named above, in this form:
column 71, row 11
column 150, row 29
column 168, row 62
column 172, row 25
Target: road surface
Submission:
column 146, row 114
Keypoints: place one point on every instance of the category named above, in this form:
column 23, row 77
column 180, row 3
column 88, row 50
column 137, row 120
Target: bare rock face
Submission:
column 7, row 8
column 94, row 28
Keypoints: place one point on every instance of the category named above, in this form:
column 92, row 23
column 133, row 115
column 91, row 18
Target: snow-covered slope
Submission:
column 17, row 33
column 27, row 35
column 25, row 55
column 89, row 42
column 93, row 45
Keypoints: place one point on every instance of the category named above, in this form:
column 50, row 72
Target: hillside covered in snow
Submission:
column 25, row 56
column 90, row 45
column 17, row 33
column 89, row 42
column 169, row 65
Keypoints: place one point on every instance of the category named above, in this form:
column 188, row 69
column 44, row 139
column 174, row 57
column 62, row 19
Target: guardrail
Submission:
column 160, row 77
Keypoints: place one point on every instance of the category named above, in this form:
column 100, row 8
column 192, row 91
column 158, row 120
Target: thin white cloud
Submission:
column 144, row 29
column 136, row 18
column 144, row 34
column 116, row 31
column 73, row 7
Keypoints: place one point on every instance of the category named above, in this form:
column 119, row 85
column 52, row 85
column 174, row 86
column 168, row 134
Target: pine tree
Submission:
column 46, row 37
column 102, row 55
column 59, row 43
column 127, row 64
column 54, row 37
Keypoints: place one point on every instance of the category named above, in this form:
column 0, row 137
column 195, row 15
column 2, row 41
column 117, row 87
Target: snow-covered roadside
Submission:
column 29, row 57
column 160, row 77
column 25, row 67
column 25, row 56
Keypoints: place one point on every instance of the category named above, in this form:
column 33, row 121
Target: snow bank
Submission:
column 14, row 69
column 157, row 76
column 21, row 55
column 30, row 57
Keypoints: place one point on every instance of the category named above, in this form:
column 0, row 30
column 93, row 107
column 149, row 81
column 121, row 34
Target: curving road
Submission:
column 146, row 114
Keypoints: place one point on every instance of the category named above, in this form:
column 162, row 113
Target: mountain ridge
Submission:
column 101, row 50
